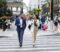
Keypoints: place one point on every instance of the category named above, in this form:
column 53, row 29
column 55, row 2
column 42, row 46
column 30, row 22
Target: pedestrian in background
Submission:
column 0, row 23
column 55, row 22
column 4, row 22
column 21, row 25
column 43, row 19
column 9, row 23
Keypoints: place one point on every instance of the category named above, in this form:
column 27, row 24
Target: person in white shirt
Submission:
column 21, row 22
column 34, row 27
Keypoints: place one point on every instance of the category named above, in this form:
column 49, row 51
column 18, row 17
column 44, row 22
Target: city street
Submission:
column 46, row 41
column 43, row 43
column 35, row 22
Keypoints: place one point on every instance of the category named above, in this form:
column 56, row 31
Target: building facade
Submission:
column 47, row 8
column 14, row 5
column 14, row 0
column 34, row 4
column 56, row 6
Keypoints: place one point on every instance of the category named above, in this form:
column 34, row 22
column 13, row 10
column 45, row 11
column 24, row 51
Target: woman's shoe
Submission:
column 33, row 44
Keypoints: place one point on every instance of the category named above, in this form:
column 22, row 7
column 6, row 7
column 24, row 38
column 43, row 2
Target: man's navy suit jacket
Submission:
column 23, row 24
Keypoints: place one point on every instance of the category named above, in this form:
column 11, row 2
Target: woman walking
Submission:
column 35, row 25
column 34, row 28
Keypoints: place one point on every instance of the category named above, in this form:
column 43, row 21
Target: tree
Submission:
column 23, row 5
column 8, row 12
column 3, row 8
column 35, row 11
column 47, row 0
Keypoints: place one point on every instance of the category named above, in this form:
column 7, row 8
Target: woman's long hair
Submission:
column 37, row 16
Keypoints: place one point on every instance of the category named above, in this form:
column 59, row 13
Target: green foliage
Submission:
column 8, row 12
column 47, row 0
column 36, row 10
column 3, row 8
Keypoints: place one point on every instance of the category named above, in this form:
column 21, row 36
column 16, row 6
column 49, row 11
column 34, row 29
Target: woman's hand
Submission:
column 31, row 23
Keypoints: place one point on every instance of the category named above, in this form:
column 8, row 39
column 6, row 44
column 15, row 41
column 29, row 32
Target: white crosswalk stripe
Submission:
column 43, row 44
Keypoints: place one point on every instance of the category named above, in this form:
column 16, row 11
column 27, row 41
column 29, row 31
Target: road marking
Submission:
column 30, row 49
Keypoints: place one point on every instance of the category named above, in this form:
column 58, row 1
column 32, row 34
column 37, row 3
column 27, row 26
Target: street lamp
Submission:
column 59, row 7
column 51, row 15
column 22, row 7
column 21, row 10
column 38, row 8
column 47, row 7
column 34, row 9
column 52, row 10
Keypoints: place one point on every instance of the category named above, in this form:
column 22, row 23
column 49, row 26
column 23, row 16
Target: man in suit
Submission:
column 21, row 25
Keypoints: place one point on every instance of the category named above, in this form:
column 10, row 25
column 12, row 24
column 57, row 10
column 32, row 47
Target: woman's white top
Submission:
column 32, row 22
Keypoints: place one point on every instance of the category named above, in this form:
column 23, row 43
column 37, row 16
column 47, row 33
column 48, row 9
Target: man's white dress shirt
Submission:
column 21, row 22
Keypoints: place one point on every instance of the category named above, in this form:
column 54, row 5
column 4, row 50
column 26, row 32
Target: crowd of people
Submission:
column 35, row 23
column 5, row 23
column 42, row 22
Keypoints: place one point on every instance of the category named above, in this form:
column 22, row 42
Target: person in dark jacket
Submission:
column 43, row 19
column 4, row 24
column 1, row 23
column 21, row 25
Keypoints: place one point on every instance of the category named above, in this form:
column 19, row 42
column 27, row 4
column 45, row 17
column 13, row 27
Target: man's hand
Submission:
column 19, row 24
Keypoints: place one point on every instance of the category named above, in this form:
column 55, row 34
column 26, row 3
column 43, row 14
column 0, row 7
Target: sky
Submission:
column 27, row 4
column 26, row 1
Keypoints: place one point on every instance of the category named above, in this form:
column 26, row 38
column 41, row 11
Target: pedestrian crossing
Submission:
column 43, row 44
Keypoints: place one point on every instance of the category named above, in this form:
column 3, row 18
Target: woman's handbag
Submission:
column 44, row 27
column 29, row 27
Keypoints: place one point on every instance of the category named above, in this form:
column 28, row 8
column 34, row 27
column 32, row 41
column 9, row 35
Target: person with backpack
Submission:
column 55, row 22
